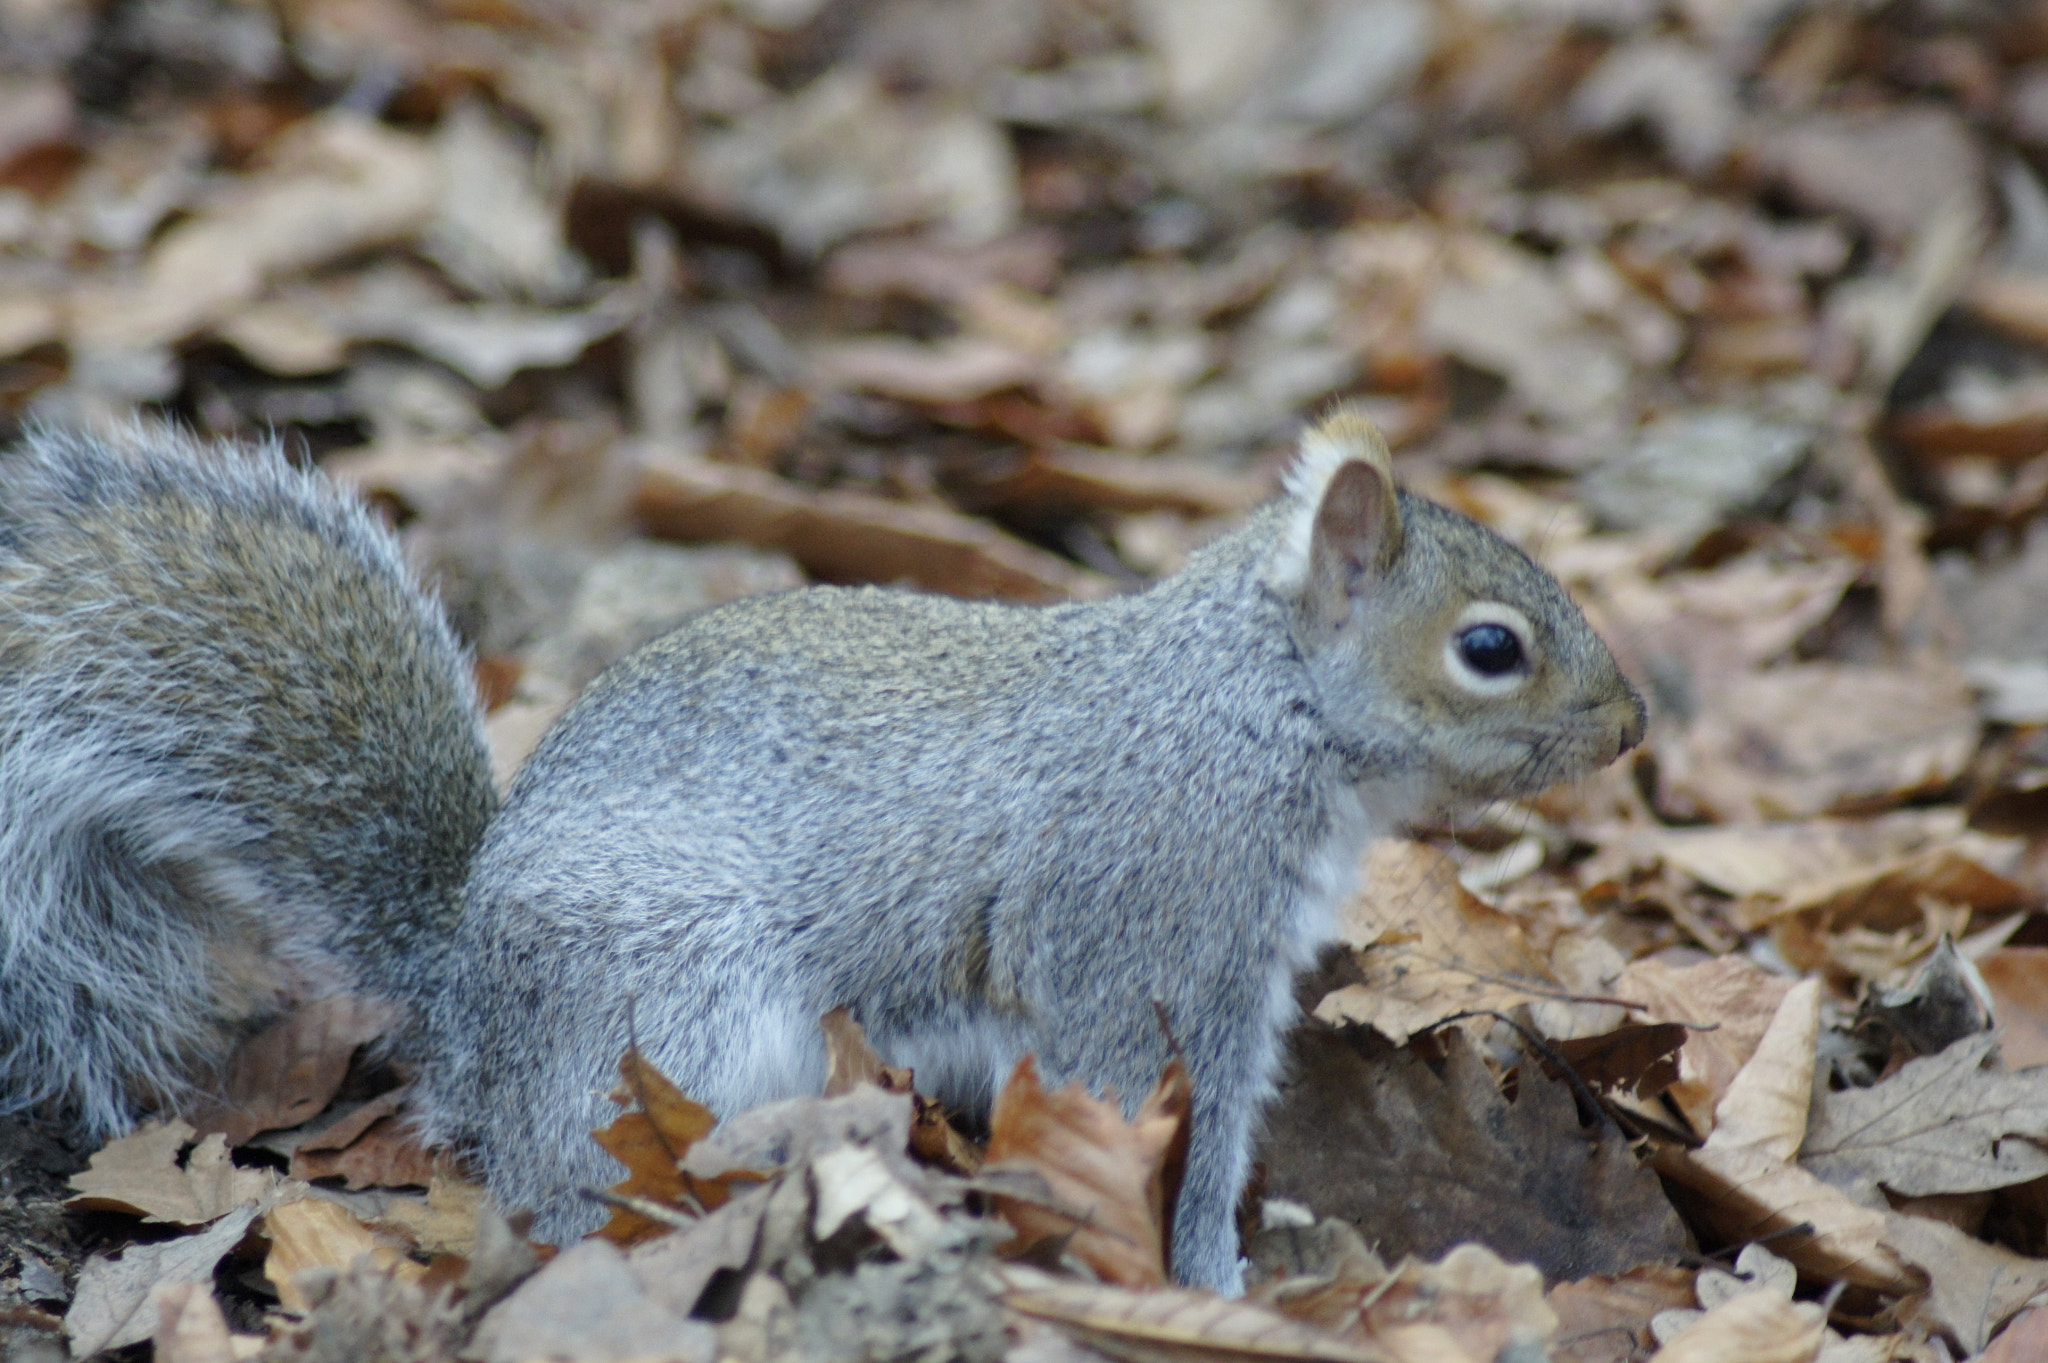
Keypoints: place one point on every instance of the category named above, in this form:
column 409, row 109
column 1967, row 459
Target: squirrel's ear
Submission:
column 1347, row 518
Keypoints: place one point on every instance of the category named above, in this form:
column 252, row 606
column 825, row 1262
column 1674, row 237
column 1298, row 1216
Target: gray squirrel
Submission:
column 241, row 765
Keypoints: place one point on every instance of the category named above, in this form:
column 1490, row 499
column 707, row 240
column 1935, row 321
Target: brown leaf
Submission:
column 1429, row 948
column 651, row 1142
column 445, row 1222
column 191, row 1329
column 1726, row 1004
column 1606, row 1319
column 1942, row 1124
column 2018, row 980
column 312, row 1232
column 1973, row 1287
column 843, row 536
column 1108, row 1177
column 1823, row 737
column 1756, row 1327
column 1640, row 1059
column 338, row 183
column 386, row 1154
column 1420, row 1162
column 850, row 1060
column 1753, row 1190
column 114, row 1304
column 956, row 370
column 1071, row 479
column 288, row 1072
column 1170, row 1324
column 142, row 1174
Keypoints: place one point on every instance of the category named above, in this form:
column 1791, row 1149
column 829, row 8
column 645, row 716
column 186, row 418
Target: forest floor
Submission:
column 1733, row 312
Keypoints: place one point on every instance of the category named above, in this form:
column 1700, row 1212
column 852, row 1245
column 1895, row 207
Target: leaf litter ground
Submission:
column 1734, row 314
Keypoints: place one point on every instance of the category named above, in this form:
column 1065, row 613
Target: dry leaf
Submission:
column 312, row 1232
column 2023, row 1341
column 444, row 1222
column 841, row 536
column 651, row 1143
column 1942, row 1124
column 287, row 1073
column 191, row 1329
column 1490, row 1308
column 114, row 1304
column 850, row 1060
column 1726, row 1005
column 1429, row 948
column 1973, row 1287
column 1753, row 1189
column 339, row 182
column 1756, row 1327
column 1606, row 1319
column 586, row 1304
column 1420, row 1160
column 2018, row 980
column 1071, row 479
column 1823, row 737
column 387, row 1154
column 1172, row 1324
column 1107, row 1177
column 142, row 1174
column 1640, row 1059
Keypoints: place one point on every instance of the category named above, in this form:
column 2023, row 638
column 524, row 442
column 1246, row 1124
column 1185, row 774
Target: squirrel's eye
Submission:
column 1490, row 650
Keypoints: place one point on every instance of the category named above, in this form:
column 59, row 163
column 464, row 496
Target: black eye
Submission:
column 1490, row 650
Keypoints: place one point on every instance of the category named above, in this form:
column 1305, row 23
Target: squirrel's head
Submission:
column 1440, row 652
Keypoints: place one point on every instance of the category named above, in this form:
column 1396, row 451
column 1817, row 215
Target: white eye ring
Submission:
column 1500, row 616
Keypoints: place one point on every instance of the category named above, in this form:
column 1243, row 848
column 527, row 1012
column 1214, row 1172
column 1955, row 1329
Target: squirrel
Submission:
column 241, row 765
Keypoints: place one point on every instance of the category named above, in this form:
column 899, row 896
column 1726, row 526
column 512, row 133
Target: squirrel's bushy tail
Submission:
column 239, row 764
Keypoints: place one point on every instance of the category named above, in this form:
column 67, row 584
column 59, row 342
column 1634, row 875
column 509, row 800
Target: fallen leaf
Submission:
column 1823, row 737
column 114, row 1304
column 956, row 370
column 843, row 536
column 1488, row 1307
column 652, row 1142
column 1640, row 1059
column 1756, row 1327
column 850, row 1060
column 142, row 1174
column 1107, row 1176
column 312, row 1232
column 288, row 1072
column 1420, row 1161
column 586, row 1304
column 1942, row 1124
column 191, row 1329
column 444, row 1222
column 1169, row 1323
column 1744, row 1169
column 1973, row 1287
column 2025, row 1340
column 1429, row 948
column 1606, row 1318
column 2018, row 980
column 1726, row 1004
column 338, row 183
column 1070, row 479
column 385, row 1154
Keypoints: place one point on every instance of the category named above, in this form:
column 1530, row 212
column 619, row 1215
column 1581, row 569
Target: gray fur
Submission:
column 988, row 830
column 239, row 764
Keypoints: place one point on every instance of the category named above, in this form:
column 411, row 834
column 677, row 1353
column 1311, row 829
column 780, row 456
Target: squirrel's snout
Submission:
column 1633, row 727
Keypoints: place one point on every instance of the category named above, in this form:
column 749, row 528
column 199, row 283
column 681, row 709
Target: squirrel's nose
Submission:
column 1633, row 727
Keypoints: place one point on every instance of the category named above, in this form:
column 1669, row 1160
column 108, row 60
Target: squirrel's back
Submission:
column 240, row 763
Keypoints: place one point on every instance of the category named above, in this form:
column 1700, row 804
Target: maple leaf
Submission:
column 1942, row 1124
